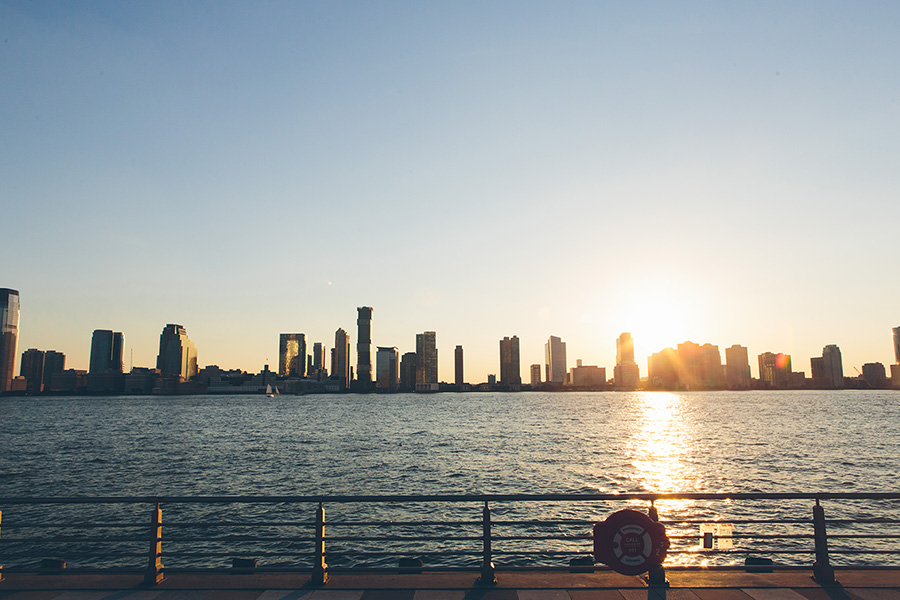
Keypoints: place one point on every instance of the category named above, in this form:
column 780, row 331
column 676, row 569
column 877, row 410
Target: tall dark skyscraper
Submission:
column 292, row 355
column 510, row 369
column 340, row 358
column 9, row 335
column 458, row 366
column 626, row 373
column 177, row 354
column 106, row 352
column 896, row 333
column 555, row 360
column 427, row 357
column 364, row 347
column 32, row 370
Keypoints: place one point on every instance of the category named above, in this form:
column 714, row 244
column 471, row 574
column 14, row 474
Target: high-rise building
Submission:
column 555, row 360
column 737, row 367
column 106, row 352
column 459, row 379
column 408, row 372
column 662, row 369
column 875, row 375
column 833, row 366
column 364, row 347
column 535, row 374
column 292, row 355
column 54, row 362
column 775, row 369
column 626, row 373
column 9, row 334
column 32, row 369
column 387, row 372
column 340, row 361
column 895, row 331
column 426, row 357
column 177, row 354
column 510, row 370
column 318, row 361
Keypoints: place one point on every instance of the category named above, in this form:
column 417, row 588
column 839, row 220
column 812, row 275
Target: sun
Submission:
column 658, row 318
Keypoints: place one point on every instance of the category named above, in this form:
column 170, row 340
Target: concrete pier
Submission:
column 852, row 584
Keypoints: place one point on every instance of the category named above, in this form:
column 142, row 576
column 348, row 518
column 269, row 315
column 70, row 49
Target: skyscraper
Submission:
column 737, row 367
column 292, row 355
column 54, row 362
column 895, row 331
column 458, row 366
column 775, row 369
column 106, row 352
column 555, row 360
column 340, row 362
column 426, row 357
column 364, row 347
column 626, row 373
column 32, row 369
column 833, row 367
column 9, row 334
column 318, row 361
column 510, row 369
column 387, row 372
column 408, row 372
column 535, row 374
column 177, row 354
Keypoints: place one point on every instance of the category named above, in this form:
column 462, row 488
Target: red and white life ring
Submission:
column 630, row 542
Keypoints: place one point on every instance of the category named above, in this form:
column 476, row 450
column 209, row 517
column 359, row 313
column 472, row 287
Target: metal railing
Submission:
column 438, row 532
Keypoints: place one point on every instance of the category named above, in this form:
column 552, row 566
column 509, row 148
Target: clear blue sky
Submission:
column 722, row 172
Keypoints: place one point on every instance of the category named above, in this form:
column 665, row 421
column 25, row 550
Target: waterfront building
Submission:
column 9, row 334
column 292, row 355
column 408, row 370
column 32, row 369
column 106, row 352
column 775, row 369
column 387, row 373
column 318, row 362
column 177, row 354
column 340, row 358
column 364, row 348
column 587, row 376
column 626, row 373
column 895, row 376
column 54, row 362
column 555, row 360
column 459, row 379
column 896, row 335
column 828, row 370
column 426, row 358
column 662, row 369
column 535, row 374
column 875, row 375
column 737, row 367
column 510, row 370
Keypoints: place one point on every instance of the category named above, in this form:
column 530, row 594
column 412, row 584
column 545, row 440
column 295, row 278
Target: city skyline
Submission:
column 716, row 173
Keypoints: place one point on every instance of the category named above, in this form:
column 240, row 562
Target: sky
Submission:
column 721, row 172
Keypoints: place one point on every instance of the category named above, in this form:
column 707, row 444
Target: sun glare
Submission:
column 657, row 319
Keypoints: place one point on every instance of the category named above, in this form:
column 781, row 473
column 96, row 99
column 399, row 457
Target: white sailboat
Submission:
column 270, row 392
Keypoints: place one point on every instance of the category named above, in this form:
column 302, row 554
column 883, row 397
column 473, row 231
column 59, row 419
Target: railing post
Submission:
column 488, row 577
column 154, row 573
column 320, row 569
column 1, row 566
column 823, row 572
column 656, row 576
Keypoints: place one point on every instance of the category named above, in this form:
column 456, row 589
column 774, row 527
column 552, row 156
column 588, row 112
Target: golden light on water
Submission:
column 660, row 445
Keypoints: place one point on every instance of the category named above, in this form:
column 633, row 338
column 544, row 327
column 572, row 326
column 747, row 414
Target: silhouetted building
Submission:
column 318, row 362
column 828, row 370
column 177, row 355
column 535, row 374
column 587, row 376
column 555, row 360
column 737, row 367
column 662, row 369
column 32, row 369
column 408, row 368
column 106, row 352
column 775, row 369
column 387, row 374
column 510, row 370
column 459, row 379
column 874, row 374
column 364, row 348
column 427, row 358
column 9, row 334
column 626, row 373
column 292, row 355
column 69, row 381
column 54, row 362
column 340, row 358
column 896, row 335
column 895, row 376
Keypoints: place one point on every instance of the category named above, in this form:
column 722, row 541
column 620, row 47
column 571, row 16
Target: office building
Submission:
column 535, row 374
column 292, row 355
column 54, row 363
column 737, row 367
column 32, row 369
column 426, row 358
column 9, row 335
column 828, row 370
column 177, row 355
column 364, row 348
column 459, row 379
column 775, row 369
column 555, row 360
column 626, row 373
column 340, row 358
column 662, row 369
column 106, row 352
column 875, row 375
column 587, row 376
column 318, row 362
column 408, row 368
column 510, row 371
column 387, row 372
column 895, row 331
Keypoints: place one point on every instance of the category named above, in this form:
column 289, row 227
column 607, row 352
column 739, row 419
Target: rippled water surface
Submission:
column 453, row 443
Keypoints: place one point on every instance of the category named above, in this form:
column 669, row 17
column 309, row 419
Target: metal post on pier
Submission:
column 656, row 576
column 320, row 569
column 155, row 573
column 1, row 566
column 823, row 572
column 488, row 576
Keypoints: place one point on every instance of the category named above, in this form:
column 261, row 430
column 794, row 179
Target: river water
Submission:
column 455, row 443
